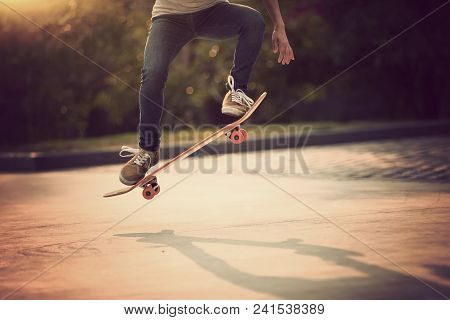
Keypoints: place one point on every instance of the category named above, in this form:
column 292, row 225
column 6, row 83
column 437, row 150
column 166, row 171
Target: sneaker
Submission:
column 236, row 103
column 137, row 167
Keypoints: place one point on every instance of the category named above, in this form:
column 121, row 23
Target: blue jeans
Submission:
column 169, row 33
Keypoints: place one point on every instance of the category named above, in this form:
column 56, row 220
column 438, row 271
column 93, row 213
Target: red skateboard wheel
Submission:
column 238, row 135
column 151, row 189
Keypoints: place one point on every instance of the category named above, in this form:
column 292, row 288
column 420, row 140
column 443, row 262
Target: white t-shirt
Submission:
column 182, row 6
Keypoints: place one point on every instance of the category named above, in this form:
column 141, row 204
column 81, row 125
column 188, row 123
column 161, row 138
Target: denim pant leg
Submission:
column 166, row 37
column 225, row 21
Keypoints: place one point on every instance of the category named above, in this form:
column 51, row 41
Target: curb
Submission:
column 37, row 161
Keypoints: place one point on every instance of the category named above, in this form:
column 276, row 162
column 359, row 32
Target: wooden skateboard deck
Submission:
column 150, row 178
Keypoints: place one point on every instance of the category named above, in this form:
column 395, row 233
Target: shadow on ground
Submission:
column 379, row 283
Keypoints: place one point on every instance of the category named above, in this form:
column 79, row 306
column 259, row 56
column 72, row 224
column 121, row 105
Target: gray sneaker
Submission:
column 236, row 103
column 137, row 167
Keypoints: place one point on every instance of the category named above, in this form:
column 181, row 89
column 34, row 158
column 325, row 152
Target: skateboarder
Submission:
column 174, row 24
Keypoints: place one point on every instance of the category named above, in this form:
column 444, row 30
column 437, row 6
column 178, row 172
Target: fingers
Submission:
column 282, row 54
column 292, row 54
column 289, row 55
column 286, row 54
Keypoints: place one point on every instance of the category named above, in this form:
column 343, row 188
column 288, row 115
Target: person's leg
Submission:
column 167, row 36
column 227, row 20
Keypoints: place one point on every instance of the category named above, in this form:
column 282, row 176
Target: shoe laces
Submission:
column 141, row 155
column 238, row 95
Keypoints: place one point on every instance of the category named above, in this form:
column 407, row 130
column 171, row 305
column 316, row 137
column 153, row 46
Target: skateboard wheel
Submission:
column 238, row 136
column 151, row 189
column 150, row 192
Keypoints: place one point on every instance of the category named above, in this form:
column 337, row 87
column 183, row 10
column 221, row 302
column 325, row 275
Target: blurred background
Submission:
column 49, row 92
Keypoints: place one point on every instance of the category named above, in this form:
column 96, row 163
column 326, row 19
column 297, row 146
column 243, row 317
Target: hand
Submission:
column 280, row 44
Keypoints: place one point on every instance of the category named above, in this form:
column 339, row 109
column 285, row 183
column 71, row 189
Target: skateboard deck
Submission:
column 236, row 135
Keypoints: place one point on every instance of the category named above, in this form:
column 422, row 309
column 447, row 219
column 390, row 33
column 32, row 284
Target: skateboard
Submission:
column 233, row 131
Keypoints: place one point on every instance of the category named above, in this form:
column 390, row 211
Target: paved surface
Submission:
column 370, row 220
column 407, row 159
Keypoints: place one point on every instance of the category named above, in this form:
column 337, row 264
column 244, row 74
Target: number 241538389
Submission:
column 297, row 308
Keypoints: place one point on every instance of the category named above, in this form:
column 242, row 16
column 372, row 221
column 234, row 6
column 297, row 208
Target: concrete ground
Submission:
column 353, row 221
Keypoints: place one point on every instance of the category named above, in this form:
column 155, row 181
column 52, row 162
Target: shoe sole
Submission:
column 127, row 182
column 232, row 112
